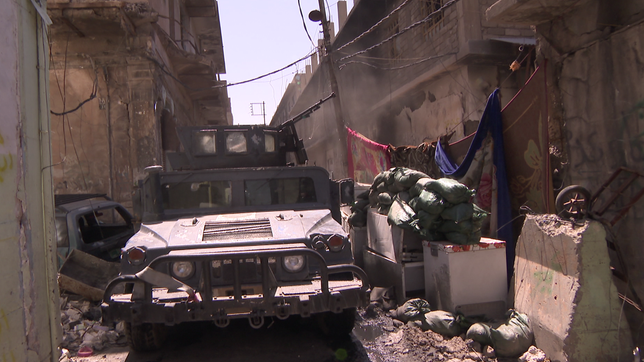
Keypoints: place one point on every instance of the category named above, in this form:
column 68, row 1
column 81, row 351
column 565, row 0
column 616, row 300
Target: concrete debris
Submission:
column 534, row 354
column 82, row 329
column 388, row 340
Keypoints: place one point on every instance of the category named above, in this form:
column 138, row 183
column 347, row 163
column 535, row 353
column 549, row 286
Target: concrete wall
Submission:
column 564, row 284
column 29, row 313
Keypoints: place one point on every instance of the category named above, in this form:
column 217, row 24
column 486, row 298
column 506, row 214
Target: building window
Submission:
column 393, row 46
column 434, row 24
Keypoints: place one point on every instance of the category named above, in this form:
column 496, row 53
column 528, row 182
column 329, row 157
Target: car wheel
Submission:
column 337, row 324
column 573, row 202
column 145, row 337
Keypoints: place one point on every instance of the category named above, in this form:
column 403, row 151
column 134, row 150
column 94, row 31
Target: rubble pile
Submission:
column 405, row 342
column 82, row 329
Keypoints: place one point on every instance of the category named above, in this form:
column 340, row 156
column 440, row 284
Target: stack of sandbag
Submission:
column 444, row 211
column 436, row 209
column 358, row 217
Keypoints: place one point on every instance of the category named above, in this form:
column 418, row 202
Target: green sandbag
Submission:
column 442, row 322
column 413, row 309
column 385, row 198
column 511, row 339
column 458, row 212
column 430, row 202
column 358, row 219
column 373, row 198
column 432, row 235
column 480, row 332
column 364, row 195
column 381, row 187
column 449, row 226
column 380, row 178
column 404, row 196
column 419, row 186
column 427, row 220
column 457, row 238
column 514, row 337
column 360, row 205
column 400, row 214
column 383, row 209
column 407, row 177
column 478, row 214
column 451, row 190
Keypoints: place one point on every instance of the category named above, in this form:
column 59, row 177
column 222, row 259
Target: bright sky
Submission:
column 261, row 36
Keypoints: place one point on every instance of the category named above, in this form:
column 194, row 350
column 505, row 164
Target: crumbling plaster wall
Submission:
column 29, row 313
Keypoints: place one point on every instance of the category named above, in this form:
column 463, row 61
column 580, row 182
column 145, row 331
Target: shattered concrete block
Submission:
column 563, row 283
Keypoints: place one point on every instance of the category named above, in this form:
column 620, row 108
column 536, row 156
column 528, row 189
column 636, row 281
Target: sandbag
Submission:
column 373, row 198
column 458, row 212
column 451, row 190
column 400, row 214
column 431, row 202
column 463, row 227
column 385, row 198
column 510, row 339
column 442, row 322
column 514, row 337
column 360, row 204
column 419, row 186
column 432, row 235
column 427, row 220
column 357, row 219
column 413, row 309
column 407, row 177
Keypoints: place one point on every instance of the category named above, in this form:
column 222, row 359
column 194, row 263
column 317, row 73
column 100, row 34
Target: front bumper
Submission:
column 162, row 304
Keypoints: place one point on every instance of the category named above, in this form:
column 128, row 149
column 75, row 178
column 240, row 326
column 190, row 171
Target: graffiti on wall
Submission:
column 6, row 161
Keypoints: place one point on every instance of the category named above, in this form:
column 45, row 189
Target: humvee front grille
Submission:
column 244, row 229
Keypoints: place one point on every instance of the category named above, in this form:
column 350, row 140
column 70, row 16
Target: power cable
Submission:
column 162, row 67
column 396, row 68
column 299, row 4
column 418, row 23
column 374, row 26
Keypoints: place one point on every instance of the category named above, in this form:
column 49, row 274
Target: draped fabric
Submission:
column 490, row 133
column 366, row 158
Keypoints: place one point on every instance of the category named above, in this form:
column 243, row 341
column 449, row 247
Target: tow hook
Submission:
column 282, row 310
column 221, row 319
column 256, row 319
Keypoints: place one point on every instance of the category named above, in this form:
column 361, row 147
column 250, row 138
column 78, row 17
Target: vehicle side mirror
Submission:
column 346, row 191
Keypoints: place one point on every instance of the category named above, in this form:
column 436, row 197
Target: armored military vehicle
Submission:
column 230, row 229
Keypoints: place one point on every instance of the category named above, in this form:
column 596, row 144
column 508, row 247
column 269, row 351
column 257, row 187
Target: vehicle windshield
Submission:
column 195, row 195
column 279, row 191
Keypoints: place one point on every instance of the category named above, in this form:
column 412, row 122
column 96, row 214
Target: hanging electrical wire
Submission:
column 395, row 68
column 374, row 26
column 299, row 4
column 162, row 67
column 91, row 96
column 418, row 23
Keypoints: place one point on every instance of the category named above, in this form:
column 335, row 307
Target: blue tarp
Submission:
column 490, row 123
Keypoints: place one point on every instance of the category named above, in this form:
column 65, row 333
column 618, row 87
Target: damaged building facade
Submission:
column 408, row 72
column 123, row 76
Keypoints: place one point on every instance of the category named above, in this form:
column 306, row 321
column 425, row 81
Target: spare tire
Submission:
column 573, row 202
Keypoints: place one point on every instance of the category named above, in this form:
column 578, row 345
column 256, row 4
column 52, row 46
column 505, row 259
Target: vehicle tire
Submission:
column 337, row 324
column 573, row 202
column 145, row 337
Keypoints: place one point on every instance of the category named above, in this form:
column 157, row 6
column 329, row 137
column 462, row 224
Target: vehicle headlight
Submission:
column 293, row 263
column 183, row 269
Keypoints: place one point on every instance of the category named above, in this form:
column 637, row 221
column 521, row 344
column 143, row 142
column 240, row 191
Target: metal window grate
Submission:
column 239, row 229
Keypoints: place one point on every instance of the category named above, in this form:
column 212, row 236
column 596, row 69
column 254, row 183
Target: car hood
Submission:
column 236, row 229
